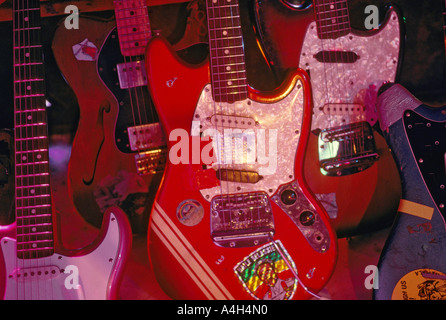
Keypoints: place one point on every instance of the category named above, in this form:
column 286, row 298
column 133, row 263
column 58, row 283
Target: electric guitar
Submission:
column 413, row 261
column 345, row 152
column 33, row 265
column 118, row 152
column 234, row 218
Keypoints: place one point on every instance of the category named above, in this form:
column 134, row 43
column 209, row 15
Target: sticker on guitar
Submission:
column 265, row 273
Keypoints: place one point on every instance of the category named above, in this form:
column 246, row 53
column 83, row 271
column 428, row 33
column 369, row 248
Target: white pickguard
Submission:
column 283, row 118
column 60, row 277
column 348, row 83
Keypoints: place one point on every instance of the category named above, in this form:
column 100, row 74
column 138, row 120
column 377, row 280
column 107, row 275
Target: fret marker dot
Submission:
column 225, row 33
column 27, row 54
column 39, row 156
column 229, row 83
column 228, row 68
column 28, row 88
column 24, row 158
column 29, row 117
column 26, row 19
column 34, row 245
column 33, row 211
column 226, row 51
column 331, row 6
column 32, row 191
column 34, row 229
column 333, row 20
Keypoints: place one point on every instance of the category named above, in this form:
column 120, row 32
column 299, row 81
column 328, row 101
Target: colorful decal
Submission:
column 421, row 284
column 266, row 275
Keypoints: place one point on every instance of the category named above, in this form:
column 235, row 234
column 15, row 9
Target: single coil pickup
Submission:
column 151, row 162
column 35, row 273
column 146, row 136
column 231, row 121
column 240, row 176
column 335, row 56
column 343, row 109
column 132, row 74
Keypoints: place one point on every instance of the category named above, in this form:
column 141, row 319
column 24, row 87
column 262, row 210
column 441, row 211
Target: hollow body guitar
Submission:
column 344, row 151
column 222, row 229
column 413, row 261
column 118, row 152
column 33, row 264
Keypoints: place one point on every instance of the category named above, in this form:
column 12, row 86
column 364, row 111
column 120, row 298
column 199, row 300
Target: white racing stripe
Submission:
column 187, row 256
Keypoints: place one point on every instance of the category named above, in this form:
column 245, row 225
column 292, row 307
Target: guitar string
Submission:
column 215, row 68
column 331, row 69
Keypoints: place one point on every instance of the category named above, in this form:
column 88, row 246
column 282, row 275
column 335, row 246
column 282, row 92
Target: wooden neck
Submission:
column 33, row 196
column 332, row 18
column 132, row 21
column 227, row 58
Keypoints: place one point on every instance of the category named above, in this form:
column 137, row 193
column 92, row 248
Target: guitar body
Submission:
column 413, row 261
column 93, row 273
column 192, row 254
column 341, row 70
column 102, row 170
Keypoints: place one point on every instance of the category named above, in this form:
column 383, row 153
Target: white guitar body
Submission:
column 339, row 88
column 91, row 276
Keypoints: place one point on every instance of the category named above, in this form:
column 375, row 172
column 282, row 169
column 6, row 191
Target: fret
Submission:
column 33, row 204
column 133, row 25
column 28, row 180
column 27, row 38
column 31, row 169
column 332, row 18
column 29, row 87
column 227, row 56
column 34, row 190
column 31, row 130
column 33, row 210
column 29, row 71
column 30, row 144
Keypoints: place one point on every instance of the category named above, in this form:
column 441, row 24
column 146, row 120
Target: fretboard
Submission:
column 33, row 197
column 134, row 31
column 332, row 18
column 227, row 58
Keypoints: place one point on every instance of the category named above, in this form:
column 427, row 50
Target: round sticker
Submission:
column 421, row 284
column 190, row 212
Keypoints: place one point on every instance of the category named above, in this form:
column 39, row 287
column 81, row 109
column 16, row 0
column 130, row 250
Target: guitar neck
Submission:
column 33, row 196
column 332, row 18
column 227, row 58
column 132, row 21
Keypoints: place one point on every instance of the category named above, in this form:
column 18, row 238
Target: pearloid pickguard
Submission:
column 285, row 116
column 348, row 82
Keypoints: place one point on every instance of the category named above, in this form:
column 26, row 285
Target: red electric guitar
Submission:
column 33, row 265
column 349, row 166
column 234, row 218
